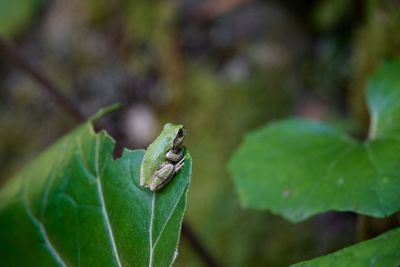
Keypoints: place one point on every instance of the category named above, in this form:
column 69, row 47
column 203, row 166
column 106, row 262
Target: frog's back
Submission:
column 157, row 151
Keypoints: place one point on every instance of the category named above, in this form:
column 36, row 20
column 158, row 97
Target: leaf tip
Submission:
column 104, row 111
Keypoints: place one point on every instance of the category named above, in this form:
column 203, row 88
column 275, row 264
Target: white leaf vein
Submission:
column 103, row 204
column 42, row 230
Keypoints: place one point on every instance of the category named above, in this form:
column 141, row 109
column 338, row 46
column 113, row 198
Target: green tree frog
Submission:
column 163, row 158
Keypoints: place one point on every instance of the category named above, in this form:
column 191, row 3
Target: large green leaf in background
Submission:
column 298, row 168
column 16, row 15
column 381, row 251
column 77, row 206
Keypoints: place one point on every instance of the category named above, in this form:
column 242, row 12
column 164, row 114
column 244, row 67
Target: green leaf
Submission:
column 381, row 251
column 15, row 15
column 77, row 206
column 298, row 168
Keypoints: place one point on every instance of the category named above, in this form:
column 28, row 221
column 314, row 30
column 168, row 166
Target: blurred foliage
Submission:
column 328, row 13
column 16, row 16
column 375, row 42
column 327, row 73
column 21, row 134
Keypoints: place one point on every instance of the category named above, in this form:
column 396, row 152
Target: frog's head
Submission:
column 178, row 132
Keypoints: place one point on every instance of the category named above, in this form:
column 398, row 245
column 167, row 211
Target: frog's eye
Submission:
column 179, row 138
column 181, row 132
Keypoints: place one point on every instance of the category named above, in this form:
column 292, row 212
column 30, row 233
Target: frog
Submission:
column 164, row 157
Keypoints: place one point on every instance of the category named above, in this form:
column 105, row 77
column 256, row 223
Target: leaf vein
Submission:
column 168, row 219
column 103, row 204
column 42, row 230
column 151, row 254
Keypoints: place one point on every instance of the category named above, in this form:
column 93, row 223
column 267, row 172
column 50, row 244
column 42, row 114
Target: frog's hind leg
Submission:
column 162, row 176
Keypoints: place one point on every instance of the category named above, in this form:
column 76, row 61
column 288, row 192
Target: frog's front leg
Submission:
column 179, row 165
column 175, row 156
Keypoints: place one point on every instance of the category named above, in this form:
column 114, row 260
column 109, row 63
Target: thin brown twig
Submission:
column 198, row 246
column 17, row 59
column 21, row 62
column 362, row 228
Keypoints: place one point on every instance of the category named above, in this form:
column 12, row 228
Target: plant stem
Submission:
column 362, row 227
column 197, row 246
column 17, row 59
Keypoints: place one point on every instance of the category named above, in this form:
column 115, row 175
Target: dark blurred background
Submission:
column 220, row 67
